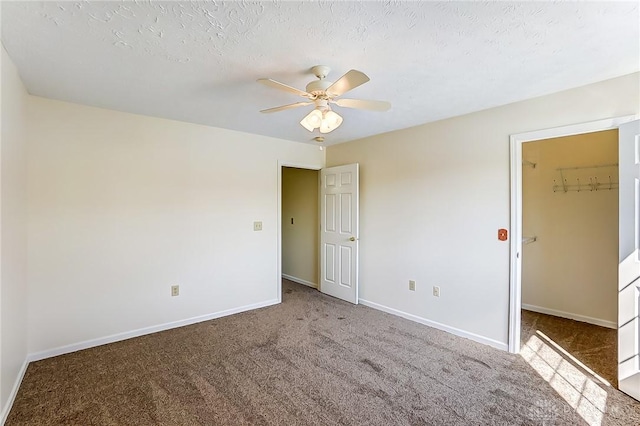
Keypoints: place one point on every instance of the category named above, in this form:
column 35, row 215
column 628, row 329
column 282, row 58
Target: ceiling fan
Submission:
column 322, row 93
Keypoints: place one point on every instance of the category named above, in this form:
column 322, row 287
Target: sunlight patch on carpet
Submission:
column 570, row 378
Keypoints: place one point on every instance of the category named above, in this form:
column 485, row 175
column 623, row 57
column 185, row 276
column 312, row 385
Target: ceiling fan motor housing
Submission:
column 318, row 87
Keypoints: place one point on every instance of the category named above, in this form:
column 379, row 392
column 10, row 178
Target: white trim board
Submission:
column 14, row 391
column 569, row 315
column 299, row 281
column 452, row 330
column 37, row 356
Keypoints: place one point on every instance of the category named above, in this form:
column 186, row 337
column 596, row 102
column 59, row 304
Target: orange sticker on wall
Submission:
column 502, row 234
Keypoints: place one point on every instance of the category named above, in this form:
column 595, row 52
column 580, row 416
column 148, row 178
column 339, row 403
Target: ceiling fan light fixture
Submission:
column 313, row 120
column 330, row 122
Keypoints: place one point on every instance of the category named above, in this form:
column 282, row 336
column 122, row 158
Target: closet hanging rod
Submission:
column 587, row 167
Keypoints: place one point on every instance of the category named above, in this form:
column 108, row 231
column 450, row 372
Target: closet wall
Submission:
column 300, row 225
column 570, row 270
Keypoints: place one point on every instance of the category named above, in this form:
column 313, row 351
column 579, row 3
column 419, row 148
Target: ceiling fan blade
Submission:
column 362, row 104
column 284, row 107
column 350, row 80
column 282, row 86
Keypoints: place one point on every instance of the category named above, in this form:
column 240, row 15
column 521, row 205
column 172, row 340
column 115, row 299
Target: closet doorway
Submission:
column 570, row 248
column 300, row 225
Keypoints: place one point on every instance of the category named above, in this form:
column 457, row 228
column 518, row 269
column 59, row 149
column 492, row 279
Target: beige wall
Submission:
column 433, row 197
column 122, row 206
column 13, row 232
column 572, row 268
column 300, row 239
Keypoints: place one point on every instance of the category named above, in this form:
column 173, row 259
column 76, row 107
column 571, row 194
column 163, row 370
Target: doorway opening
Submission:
column 335, row 213
column 299, row 225
column 517, row 235
column 568, row 375
column 570, row 248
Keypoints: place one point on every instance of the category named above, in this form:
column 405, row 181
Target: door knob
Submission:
column 352, row 239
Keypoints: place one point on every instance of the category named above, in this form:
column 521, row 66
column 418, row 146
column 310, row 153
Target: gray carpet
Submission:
column 312, row 360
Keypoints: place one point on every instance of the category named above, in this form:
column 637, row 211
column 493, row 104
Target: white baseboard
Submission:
column 569, row 315
column 456, row 331
column 14, row 391
column 300, row 281
column 37, row 356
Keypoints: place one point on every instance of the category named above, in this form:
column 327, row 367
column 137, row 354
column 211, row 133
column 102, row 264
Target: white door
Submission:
column 339, row 232
column 629, row 267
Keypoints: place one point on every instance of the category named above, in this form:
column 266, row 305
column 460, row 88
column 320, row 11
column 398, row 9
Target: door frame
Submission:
column 282, row 164
column 515, row 263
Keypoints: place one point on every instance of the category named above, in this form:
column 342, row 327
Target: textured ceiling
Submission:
column 199, row 61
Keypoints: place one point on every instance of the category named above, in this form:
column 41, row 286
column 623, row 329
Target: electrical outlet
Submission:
column 436, row 291
column 257, row 226
column 412, row 285
column 175, row 290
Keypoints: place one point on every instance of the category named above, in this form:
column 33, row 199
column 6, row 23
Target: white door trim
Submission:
column 282, row 164
column 515, row 283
